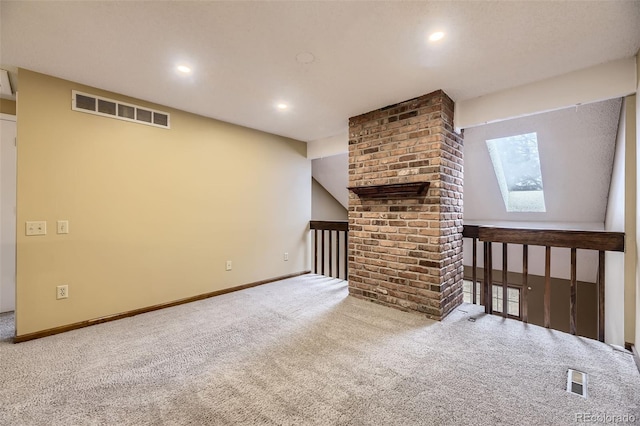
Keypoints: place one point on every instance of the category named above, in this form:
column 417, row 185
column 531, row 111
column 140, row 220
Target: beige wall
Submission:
column 615, row 221
column 323, row 205
column 620, row 279
column 153, row 213
column 7, row 106
column 630, row 221
column 637, row 310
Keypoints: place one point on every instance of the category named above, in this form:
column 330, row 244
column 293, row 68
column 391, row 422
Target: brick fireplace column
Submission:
column 405, row 239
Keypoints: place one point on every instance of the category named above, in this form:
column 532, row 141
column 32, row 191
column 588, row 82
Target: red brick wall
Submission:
column 406, row 251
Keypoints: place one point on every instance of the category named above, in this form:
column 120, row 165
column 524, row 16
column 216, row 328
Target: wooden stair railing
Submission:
column 589, row 240
column 324, row 260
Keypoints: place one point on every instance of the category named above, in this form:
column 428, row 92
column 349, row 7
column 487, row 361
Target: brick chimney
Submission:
column 405, row 206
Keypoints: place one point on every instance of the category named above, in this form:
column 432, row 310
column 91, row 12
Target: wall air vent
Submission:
column 98, row 105
column 577, row 382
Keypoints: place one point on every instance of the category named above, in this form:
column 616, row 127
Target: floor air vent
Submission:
column 577, row 382
column 84, row 102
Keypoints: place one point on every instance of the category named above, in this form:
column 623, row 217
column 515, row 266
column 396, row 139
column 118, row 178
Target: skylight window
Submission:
column 517, row 165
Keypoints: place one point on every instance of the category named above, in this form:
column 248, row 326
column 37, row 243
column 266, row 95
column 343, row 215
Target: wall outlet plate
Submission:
column 36, row 228
column 62, row 292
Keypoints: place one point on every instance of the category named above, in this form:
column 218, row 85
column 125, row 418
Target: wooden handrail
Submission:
column 588, row 240
column 548, row 238
column 329, row 225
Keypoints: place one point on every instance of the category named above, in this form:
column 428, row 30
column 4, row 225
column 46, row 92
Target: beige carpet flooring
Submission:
column 301, row 352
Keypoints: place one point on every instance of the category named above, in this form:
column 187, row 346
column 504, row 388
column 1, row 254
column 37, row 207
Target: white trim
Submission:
column 8, row 117
column 611, row 80
column 117, row 117
column 334, row 145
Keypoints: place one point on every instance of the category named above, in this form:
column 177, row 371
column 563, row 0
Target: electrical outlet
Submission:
column 62, row 291
column 36, row 228
column 286, row 256
column 228, row 267
column 63, row 227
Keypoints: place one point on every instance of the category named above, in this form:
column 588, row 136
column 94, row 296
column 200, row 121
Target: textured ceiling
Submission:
column 368, row 54
column 576, row 147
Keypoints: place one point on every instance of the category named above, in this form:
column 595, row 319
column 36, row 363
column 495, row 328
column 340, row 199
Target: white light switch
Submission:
column 63, row 227
column 36, row 228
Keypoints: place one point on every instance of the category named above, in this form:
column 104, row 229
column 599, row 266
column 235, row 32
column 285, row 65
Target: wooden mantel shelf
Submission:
column 391, row 190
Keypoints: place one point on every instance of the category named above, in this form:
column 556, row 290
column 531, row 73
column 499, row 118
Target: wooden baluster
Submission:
column 482, row 296
column 485, row 291
column 488, row 283
column 322, row 252
column 474, row 270
column 505, row 305
column 338, row 254
column 315, row 251
column 601, row 295
column 330, row 253
column 572, row 299
column 491, row 276
column 525, row 283
column 346, row 255
column 547, row 287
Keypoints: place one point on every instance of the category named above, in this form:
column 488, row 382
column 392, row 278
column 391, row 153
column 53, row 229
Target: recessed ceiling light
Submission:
column 282, row 106
column 436, row 36
column 184, row 69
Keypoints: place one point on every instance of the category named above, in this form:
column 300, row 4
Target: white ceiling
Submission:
column 368, row 54
column 576, row 147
